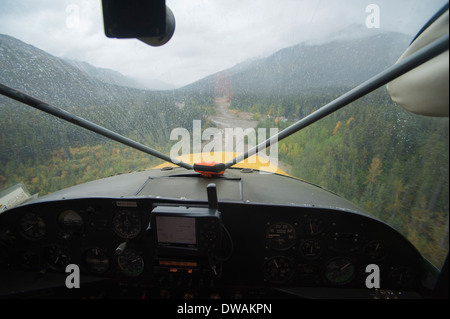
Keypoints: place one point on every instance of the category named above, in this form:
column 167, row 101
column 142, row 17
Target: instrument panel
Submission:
column 262, row 248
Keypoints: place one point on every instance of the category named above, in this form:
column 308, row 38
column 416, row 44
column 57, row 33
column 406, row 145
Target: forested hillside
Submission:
column 390, row 162
column 37, row 147
column 47, row 153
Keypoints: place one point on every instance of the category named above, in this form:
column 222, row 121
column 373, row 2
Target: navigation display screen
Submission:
column 176, row 230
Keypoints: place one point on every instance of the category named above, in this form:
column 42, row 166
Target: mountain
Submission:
column 344, row 62
column 146, row 116
column 55, row 80
column 117, row 78
column 104, row 75
column 51, row 79
column 354, row 31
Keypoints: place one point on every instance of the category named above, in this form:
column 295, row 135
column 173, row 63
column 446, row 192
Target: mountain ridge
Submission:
column 347, row 60
column 24, row 64
column 114, row 77
column 305, row 66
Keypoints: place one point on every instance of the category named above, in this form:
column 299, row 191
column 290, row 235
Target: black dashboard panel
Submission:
column 264, row 251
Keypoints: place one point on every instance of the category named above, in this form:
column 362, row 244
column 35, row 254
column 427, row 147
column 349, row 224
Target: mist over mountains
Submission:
column 348, row 60
column 340, row 63
column 49, row 78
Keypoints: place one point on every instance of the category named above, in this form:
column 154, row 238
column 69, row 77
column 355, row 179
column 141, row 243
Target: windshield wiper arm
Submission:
column 425, row 54
column 62, row 114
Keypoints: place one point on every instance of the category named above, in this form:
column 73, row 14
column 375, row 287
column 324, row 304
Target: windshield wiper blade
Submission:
column 421, row 56
column 64, row 115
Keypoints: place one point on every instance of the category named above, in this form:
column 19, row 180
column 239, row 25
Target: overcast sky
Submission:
column 210, row 35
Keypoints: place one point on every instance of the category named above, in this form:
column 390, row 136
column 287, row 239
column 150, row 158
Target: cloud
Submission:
column 210, row 35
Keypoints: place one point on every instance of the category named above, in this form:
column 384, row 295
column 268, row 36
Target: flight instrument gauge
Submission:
column 57, row 257
column 311, row 249
column 340, row 271
column 130, row 263
column 313, row 226
column 71, row 221
column 278, row 269
column 281, row 236
column 127, row 224
column 96, row 261
column 375, row 250
column 32, row 226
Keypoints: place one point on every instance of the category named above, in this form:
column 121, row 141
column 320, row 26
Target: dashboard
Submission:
column 154, row 248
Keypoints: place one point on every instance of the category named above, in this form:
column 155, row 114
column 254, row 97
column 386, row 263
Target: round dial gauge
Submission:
column 127, row 224
column 130, row 263
column 375, row 250
column 278, row 269
column 96, row 261
column 32, row 226
column 281, row 236
column 311, row 249
column 339, row 271
column 57, row 257
column 70, row 220
column 313, row 226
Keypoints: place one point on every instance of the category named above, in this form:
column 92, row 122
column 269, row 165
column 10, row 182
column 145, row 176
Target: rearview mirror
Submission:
column 147, row 20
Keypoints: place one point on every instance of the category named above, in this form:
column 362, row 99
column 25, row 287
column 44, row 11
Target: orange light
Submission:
column 173, row 270
column 178, row 263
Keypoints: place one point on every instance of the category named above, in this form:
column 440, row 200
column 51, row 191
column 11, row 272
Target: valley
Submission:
column 372, row 152
column 226, row 118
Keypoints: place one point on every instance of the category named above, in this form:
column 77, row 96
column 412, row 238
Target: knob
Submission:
column 121, row 248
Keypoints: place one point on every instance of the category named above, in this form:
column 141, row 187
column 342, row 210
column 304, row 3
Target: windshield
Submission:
column 258, row 66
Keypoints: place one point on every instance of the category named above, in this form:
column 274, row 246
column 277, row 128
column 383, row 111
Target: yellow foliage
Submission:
column 374, row 171
column 336, row 128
